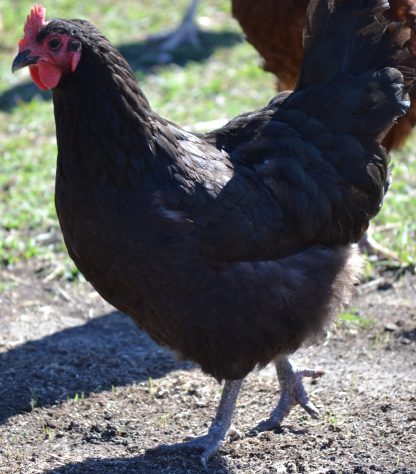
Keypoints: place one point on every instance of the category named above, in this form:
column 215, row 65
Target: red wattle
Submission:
column 46, row 76
column 49, row 74
column 34, row 74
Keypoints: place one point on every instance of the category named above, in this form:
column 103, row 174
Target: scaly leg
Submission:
column 292, row 393
column 212, row 441
column 187, row 32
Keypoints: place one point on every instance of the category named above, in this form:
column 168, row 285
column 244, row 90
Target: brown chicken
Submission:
column 234, row 247
column 274, row 28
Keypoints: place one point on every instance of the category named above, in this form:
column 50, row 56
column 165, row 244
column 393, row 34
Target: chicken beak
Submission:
column 23, row 59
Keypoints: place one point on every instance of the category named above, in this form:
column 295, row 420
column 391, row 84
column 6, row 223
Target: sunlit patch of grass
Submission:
column 352, row 318
column 79, row 397
column 27, row 169
column 395, row 226
column 34, row 398
column 331, row 419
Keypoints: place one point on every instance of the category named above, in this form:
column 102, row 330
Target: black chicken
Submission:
column 234, row 247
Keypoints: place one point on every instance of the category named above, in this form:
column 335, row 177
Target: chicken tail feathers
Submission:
column 353, row 36
column 357, row 56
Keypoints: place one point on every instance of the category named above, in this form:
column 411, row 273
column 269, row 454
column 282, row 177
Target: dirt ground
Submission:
column 83, row 391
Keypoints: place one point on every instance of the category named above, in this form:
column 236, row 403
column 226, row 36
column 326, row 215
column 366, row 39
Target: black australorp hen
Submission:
column 234, row 247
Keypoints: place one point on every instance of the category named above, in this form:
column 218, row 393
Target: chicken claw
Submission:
column 292, row 393
column 210, row 443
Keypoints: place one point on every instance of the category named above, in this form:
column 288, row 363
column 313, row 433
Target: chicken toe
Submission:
column 292, row 393
column 211, row 442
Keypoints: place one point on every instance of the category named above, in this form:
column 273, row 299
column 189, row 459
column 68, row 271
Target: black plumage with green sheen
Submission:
column 231, row 247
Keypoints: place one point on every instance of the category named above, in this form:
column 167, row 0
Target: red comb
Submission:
column 35, row 21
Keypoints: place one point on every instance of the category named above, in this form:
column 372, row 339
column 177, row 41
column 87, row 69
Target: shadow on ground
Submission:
column 143, row 57
column 148, row 463
column 105, row 352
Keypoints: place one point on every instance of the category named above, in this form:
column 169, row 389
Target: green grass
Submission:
column 395, row 226
column 216, row 86
column 34, row 399
column 352, row 318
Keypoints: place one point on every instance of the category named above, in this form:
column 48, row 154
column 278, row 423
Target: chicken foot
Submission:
column 292, row 393
column 186, row 33
column 220, row 427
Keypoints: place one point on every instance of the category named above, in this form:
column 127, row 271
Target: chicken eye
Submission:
column 54, row 43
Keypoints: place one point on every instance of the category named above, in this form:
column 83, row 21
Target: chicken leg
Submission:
column 292, row 393
column 186, row 33
column 212, row 441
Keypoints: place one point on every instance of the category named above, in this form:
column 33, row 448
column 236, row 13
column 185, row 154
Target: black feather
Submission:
column 235, row 246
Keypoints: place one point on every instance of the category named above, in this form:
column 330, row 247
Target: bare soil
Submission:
column 83, row 391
